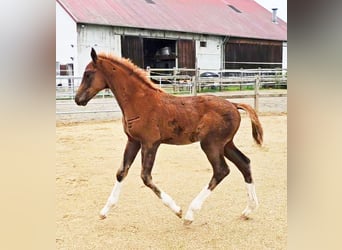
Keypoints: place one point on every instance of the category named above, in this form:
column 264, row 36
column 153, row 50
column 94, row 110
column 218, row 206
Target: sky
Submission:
column 280, row 4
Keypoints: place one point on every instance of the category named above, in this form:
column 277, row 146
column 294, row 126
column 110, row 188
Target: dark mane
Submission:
column 129, row 65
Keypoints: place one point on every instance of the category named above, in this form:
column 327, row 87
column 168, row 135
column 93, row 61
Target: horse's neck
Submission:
column 131, row 94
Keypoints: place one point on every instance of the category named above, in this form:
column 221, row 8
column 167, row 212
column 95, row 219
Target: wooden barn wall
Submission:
column 186, row 53
column 132, row 48
column 252, row 50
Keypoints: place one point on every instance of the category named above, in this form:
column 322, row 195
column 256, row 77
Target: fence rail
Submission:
column 181, row 81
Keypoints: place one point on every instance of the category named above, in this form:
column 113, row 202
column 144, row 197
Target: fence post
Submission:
column 195, row 81
column 220, row 83
column 241, row 76
column 256, row 93
column 194, row 91
column 174, row 82
column 73, row 89
column 148, row 71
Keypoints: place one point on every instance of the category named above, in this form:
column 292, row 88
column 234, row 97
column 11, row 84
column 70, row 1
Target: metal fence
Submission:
column 244, row 83
column 199, row 80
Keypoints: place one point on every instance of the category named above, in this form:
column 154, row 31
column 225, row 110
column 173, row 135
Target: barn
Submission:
column 215, row 34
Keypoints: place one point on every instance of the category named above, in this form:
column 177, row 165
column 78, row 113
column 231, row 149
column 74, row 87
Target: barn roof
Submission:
column 240, row 18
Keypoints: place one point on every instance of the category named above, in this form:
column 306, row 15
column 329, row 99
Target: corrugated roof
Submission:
column 243, row 18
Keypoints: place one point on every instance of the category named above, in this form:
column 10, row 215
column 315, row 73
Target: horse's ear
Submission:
column 93, row 55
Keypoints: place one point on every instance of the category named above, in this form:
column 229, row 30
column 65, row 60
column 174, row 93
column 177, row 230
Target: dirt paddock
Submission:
column 88, row 155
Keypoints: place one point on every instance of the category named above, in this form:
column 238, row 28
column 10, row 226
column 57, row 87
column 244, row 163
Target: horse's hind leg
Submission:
column 131, row 150
column 220, row 171
column 243, row 164
column 148, row 157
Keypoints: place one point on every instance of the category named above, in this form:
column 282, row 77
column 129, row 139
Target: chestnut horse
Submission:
column 152, row 117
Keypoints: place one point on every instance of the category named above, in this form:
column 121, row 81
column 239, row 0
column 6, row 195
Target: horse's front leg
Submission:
column 131, row 150
column 148, row 157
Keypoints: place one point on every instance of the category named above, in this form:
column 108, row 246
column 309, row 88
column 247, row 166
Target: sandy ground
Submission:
column 88, row 155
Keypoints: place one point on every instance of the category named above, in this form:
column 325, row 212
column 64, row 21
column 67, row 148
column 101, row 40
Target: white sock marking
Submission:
column 252, row 202
column 169, row 202
column 197, row 203
column 112, row 199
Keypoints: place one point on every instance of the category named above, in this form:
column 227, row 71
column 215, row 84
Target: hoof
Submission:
column 179, row 214
column 187, row 222
column 244, row 217
column 102, row 216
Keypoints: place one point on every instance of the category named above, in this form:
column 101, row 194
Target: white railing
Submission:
column 201, row 79
column 180, row 81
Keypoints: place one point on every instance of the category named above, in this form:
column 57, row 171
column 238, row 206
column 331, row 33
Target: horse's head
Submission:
column 93, row 81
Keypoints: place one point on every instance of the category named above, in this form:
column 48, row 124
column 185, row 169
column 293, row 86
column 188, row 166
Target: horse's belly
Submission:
column 182, row 138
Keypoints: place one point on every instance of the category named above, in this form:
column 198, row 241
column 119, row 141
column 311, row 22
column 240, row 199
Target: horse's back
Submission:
column 189, row 119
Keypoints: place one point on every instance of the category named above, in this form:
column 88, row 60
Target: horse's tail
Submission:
column 256, row 125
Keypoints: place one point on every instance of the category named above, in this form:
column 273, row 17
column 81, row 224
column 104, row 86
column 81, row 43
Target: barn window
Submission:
column 203, row 44
column 234, row 8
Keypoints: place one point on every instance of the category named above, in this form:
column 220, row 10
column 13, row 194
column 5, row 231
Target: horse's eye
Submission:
column 87, row 75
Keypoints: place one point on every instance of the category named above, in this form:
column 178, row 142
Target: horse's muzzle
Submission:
column 81, row 101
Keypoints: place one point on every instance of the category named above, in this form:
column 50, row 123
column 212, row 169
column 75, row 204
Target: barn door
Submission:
column 239, row 50
column 186, row 54
column 132, row 48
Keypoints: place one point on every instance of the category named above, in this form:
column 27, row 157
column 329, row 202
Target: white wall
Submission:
column 285, row 55
column 101, row 38
column 108, row 39
column 209, row 57
column 65, row 37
